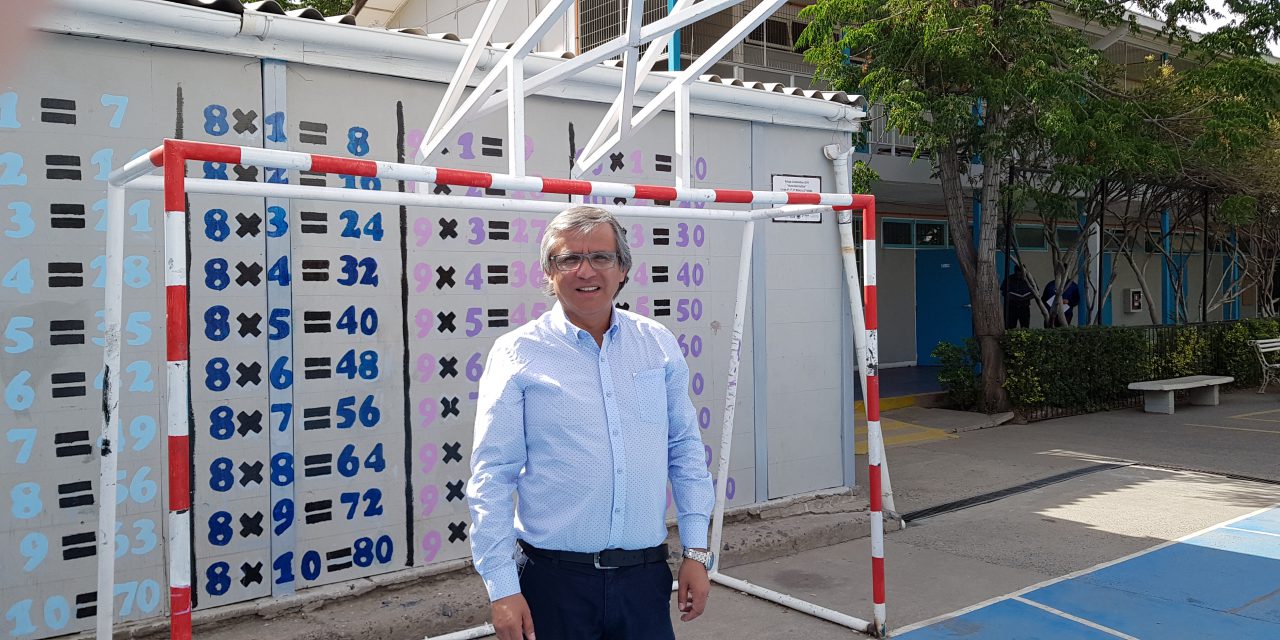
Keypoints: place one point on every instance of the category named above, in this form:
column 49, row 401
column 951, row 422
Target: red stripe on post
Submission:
column 869, row 221
column 175, row 174
column 877, row 580
column 874, row 486
column 873, row 397
column 179, row 473
column 464, row 178
column 208, row 151
column 180, row 613
column 734, row 196
column 804, row 198
column 871, row 302
column 651, row 192
column 175, row 311
column 345, row 166
column 562, row 186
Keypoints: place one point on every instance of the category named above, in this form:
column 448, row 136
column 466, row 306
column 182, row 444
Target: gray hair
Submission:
column 578, row 220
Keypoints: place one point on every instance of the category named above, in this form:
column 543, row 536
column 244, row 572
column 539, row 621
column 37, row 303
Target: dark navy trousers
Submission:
column 571, row 601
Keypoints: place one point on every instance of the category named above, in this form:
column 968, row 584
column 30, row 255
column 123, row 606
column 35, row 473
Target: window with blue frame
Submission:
column 931, row 234
column 898, row 234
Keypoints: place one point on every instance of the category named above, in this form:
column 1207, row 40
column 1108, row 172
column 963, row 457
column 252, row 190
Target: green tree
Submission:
column 981, row 83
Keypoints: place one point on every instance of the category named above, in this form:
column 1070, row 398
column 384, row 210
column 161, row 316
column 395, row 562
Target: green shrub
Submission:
column 1085, row 369
column 1076, row 368
column 958, row 373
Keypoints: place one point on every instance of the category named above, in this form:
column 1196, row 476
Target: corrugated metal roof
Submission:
column 271, row 7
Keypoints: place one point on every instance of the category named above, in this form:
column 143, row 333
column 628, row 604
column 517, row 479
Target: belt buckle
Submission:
column 597, row 561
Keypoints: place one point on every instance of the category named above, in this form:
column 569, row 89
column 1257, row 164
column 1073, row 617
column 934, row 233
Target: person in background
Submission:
column 1017, row 293
column 584, row 414
column 1069, row 300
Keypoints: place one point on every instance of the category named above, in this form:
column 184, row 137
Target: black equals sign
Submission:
column 55, row 167
column 79, row 545
column 86, row 605
column 491, row 147
column 499, row 230
column 313, row 132
column 316, row 322
column 75, row 494
column 69, row 274
column 317, row 368
column 659, row 273
column 662, row 307
column 318, row 511
column 57, row 111
column 320, row 464
column 315, row 418
column 68, row 385
column 313, row 179
column 661, row 236
column 319, row 222
column 498, row 318
column 338, row 559
column 315, row 270
column 71, row 443
column 662, row 163
column 497, row 273
column 66, row 216
column 63, row 332
column 490, row 191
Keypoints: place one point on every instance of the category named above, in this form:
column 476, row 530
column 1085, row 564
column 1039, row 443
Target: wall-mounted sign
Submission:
column 801, row 184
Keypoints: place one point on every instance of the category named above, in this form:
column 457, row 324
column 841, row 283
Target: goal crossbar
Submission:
column 171, row 157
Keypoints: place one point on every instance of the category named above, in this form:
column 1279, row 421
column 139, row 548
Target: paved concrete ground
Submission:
column 955, row 560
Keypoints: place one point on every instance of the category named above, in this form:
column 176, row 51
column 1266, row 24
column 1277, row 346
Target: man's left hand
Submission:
column 694, row 586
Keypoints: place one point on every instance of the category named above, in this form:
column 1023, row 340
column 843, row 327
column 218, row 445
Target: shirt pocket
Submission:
column 650, row 395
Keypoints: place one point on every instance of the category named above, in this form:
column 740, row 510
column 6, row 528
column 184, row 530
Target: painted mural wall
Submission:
column 335, row 349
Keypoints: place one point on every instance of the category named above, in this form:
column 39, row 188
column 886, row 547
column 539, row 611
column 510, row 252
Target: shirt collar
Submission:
column 560, row 323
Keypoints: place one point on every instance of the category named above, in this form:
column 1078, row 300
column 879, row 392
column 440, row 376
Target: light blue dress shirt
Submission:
column 587, row 436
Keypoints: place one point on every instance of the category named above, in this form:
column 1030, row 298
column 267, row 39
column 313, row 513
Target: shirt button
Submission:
column 608, row 394
column 619, row 471
column 617, row 510
column 615, row 432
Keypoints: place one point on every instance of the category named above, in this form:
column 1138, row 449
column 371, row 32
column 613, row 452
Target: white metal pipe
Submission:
column 731, row 392
column 849, row 257
column 528, row 39
column 830, row 615
column 228, row 188
column 715, row 52
column 139, row 166
column 481, row 631
column 607, row 50
column 110, row 450
column 470, row 60
column 613, row 117
column 515, row 117
column 684, row 139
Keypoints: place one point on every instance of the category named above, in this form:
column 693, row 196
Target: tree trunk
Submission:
column 979, row 268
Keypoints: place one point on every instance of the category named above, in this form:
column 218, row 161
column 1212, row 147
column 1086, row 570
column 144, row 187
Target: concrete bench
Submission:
column 1157, row 395
column 1266, row 350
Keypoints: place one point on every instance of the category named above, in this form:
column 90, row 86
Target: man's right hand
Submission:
column 511, row 618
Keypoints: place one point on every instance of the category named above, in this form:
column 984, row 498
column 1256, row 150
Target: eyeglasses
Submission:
column 600, row 260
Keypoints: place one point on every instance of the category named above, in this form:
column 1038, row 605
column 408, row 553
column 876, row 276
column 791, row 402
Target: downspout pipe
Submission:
column 839, row 158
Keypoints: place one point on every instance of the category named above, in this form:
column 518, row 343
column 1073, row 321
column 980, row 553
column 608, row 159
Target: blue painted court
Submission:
column 1220, row 583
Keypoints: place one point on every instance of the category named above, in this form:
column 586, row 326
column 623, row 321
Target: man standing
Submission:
column 1017, row 293
column 584, row 413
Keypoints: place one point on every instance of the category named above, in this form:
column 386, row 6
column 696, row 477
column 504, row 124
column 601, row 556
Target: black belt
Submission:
column 607, row 559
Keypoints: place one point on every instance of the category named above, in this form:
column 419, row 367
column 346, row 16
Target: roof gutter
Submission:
column 404, row 55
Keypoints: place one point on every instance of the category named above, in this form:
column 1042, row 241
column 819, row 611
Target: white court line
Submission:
column 1261, row 533
column 1025, row 590
column 1077, row 619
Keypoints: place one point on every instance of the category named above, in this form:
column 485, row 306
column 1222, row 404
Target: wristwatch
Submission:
column 703, row 557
